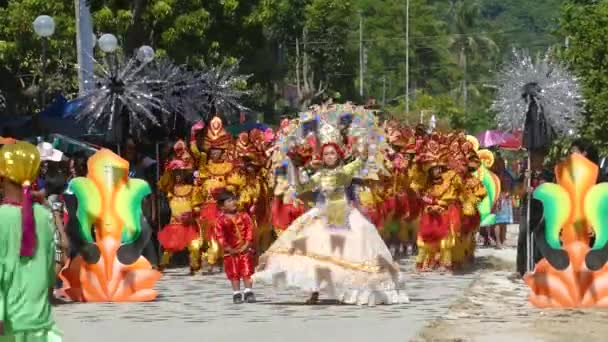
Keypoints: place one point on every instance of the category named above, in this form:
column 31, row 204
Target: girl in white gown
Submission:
column 333, row 248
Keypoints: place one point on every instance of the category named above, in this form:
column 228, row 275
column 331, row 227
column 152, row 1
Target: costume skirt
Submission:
column 175, row 237
column 434, row 227
column 351, row 264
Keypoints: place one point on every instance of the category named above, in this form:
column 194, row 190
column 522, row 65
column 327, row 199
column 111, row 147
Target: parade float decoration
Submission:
column 143, row 91
column 540, row 98
column 537, row 86
column 491, row 183
column 109, row 233
column 573, row 272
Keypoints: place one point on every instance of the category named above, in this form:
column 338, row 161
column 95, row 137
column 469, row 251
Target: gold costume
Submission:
column 213, row 176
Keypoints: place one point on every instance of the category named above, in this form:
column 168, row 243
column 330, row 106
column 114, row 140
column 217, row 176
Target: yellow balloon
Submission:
column 20, row 162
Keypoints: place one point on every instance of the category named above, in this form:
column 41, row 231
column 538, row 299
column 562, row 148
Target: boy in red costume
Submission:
column 234, row 232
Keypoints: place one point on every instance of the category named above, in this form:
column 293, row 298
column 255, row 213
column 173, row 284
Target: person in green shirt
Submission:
column 27, row 253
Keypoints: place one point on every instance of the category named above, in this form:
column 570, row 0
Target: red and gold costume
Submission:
column 254, row 195
column 473, row 192
column 235, row 233
column 182, row 230
column 285, row 207
column 213, row 176
column 440, row 218
column 405, row 209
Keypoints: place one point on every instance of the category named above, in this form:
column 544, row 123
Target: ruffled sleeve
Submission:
column 310, row 185
column 351, row 169
column 248, row 226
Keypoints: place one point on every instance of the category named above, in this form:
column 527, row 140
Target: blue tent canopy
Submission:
column 58, row 117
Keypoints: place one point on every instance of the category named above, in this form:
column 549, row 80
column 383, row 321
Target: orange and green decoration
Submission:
column 105, row 214
column 573, row 273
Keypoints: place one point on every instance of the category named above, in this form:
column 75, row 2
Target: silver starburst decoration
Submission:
column 219, row 90
column 124, row 86
column 555, row 89
column 179, row 90
column 2, row 102
column 149, row 90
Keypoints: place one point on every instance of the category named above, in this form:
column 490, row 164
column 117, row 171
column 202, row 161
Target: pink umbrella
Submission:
column 497, row 138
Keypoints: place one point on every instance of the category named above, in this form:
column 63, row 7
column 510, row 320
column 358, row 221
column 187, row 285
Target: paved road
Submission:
column 201, row 309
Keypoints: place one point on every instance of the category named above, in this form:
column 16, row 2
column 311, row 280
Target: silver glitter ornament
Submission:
column 124, row 86
column 556, row 90
column 218, row 90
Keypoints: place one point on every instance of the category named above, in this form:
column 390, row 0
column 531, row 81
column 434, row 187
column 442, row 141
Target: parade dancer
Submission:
column 182, row 230
column 216, row 172
column 234, row 233
column 473, row 193
column 440, row 218
column 333, row 247
column 254, row 195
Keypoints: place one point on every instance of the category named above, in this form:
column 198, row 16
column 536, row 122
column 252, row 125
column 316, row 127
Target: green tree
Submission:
column 21, row 53
column 586, row 26
column 189, row 31
column 384, row 31
column 312, row 41
column 194, row 32
column 522, row 24
column 472, row 46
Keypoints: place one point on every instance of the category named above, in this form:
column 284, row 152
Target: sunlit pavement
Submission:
column 200, row 309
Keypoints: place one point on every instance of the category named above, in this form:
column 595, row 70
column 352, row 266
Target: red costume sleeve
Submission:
column 219, row 230
column 247, row 223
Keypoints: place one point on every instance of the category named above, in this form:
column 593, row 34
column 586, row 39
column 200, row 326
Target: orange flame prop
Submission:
column 109, row 200
column 571, row 208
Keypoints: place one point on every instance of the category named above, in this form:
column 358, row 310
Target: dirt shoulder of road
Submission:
column 495, row 309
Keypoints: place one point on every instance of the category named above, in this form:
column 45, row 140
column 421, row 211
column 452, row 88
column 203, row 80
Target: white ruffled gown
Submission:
column 334, row 249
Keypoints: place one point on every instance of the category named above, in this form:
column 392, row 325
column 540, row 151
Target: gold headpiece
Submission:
column 217, row 137
column 20, row 162
column 329, row 134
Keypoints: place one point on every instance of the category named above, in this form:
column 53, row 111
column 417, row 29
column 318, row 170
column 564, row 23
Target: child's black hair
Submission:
column 225, row 196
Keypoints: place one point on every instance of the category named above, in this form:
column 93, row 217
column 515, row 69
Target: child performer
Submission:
column 234, row 232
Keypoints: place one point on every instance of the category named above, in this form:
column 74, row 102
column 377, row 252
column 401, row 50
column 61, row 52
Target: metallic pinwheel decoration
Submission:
column 178, row 91
column 124, row 86
column 150, row 90
column 2, row 102
column 551, row 85
column 219, row 90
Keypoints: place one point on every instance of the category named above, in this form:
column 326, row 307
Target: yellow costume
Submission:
column 254, row 194
column 182, row 230
column 440, row 218
column 213, row 176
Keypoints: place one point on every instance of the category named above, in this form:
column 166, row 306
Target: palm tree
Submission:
column 467, row 44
